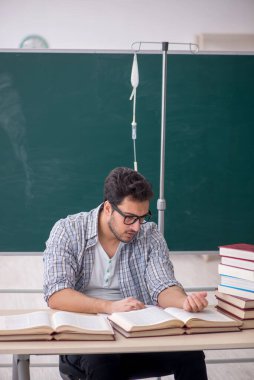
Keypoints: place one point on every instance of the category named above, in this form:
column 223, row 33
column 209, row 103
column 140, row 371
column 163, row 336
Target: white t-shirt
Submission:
column 104, row 278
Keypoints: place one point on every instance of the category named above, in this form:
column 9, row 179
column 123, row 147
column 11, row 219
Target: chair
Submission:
column 67, row 377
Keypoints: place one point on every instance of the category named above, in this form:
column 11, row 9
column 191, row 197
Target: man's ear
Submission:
column 107, row 208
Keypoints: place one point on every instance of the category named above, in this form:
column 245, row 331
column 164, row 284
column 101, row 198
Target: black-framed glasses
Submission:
column 130, row 218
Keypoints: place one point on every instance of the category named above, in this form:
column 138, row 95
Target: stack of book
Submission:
column 155, row 321
column 236, row 290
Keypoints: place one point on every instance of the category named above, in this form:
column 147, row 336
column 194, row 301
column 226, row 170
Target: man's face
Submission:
column 116, row 222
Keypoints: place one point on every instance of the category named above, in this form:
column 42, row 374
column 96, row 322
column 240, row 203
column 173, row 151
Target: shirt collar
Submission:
column 92, row 230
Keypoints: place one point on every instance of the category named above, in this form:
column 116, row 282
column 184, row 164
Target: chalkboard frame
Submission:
column 207, row 203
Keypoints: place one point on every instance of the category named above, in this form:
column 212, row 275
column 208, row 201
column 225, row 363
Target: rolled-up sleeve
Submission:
column 60, row 264
column 159, row 271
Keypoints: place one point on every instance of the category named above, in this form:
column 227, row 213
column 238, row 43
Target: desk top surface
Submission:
column 211, row 341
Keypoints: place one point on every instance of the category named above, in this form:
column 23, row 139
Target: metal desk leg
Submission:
column 20, row 369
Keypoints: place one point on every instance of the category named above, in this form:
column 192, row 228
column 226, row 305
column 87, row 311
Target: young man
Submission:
column 112, row 259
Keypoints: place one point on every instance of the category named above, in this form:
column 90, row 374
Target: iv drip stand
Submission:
column 193, row 48
column 161, row 202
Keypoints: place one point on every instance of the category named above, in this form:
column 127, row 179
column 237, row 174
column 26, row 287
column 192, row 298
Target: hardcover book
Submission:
column 156, row 319
column 239, row 250
column 236, row 292
column 242, row 303
column 246, row 323
column 236, row 272
column 236, row 282
column 236, row 311
column 239, row 263
column 58, row 325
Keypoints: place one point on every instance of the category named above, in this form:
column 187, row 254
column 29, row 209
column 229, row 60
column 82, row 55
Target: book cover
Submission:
column 228, row 270
column 239, row 250
column 242, row 303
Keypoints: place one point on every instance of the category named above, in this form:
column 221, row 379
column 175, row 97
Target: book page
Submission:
column 150, row 316
column 77, row 322
column 21, row 322
column 209, row 314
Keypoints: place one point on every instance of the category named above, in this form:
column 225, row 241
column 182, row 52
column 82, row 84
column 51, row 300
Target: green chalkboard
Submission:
column 65, row 122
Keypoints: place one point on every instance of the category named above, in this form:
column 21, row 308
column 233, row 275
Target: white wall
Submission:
column 115, row 24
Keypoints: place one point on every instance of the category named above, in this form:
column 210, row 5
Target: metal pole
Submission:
column 161, row 202
column 21, row 370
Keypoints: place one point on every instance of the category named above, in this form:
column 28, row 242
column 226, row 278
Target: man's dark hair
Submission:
column 124, row 182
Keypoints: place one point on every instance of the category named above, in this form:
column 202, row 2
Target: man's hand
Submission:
column 195, row 302
column 127, row 304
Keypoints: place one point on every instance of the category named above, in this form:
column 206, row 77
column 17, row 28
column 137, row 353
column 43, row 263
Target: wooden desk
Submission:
column 217, row 341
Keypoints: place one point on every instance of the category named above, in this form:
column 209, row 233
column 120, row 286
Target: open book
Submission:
column 58, row 325
column 153, row 321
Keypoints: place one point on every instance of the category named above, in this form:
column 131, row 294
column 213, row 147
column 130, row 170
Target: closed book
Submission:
column 236, row 311
column 239, row 250
column 242, row 303
column 23, row 326
column 236, row 292
column 246, row 323
column 236, row 282
column 236, row 272
column 239, row 263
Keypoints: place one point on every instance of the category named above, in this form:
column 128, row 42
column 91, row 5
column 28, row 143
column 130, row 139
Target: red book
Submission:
column 242, row 303
column 236, row 311
column 239, row 251
column 239, row 263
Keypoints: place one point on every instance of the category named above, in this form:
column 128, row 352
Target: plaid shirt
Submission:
column 144, row 269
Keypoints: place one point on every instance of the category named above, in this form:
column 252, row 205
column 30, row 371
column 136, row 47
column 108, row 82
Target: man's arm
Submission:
column 72, row 300
column 175, row 296
column 60, row 269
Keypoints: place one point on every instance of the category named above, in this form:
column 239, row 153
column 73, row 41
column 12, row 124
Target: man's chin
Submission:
column 128, row 238
column 124, row 237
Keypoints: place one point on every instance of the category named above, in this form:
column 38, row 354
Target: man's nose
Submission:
column 136, row 225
